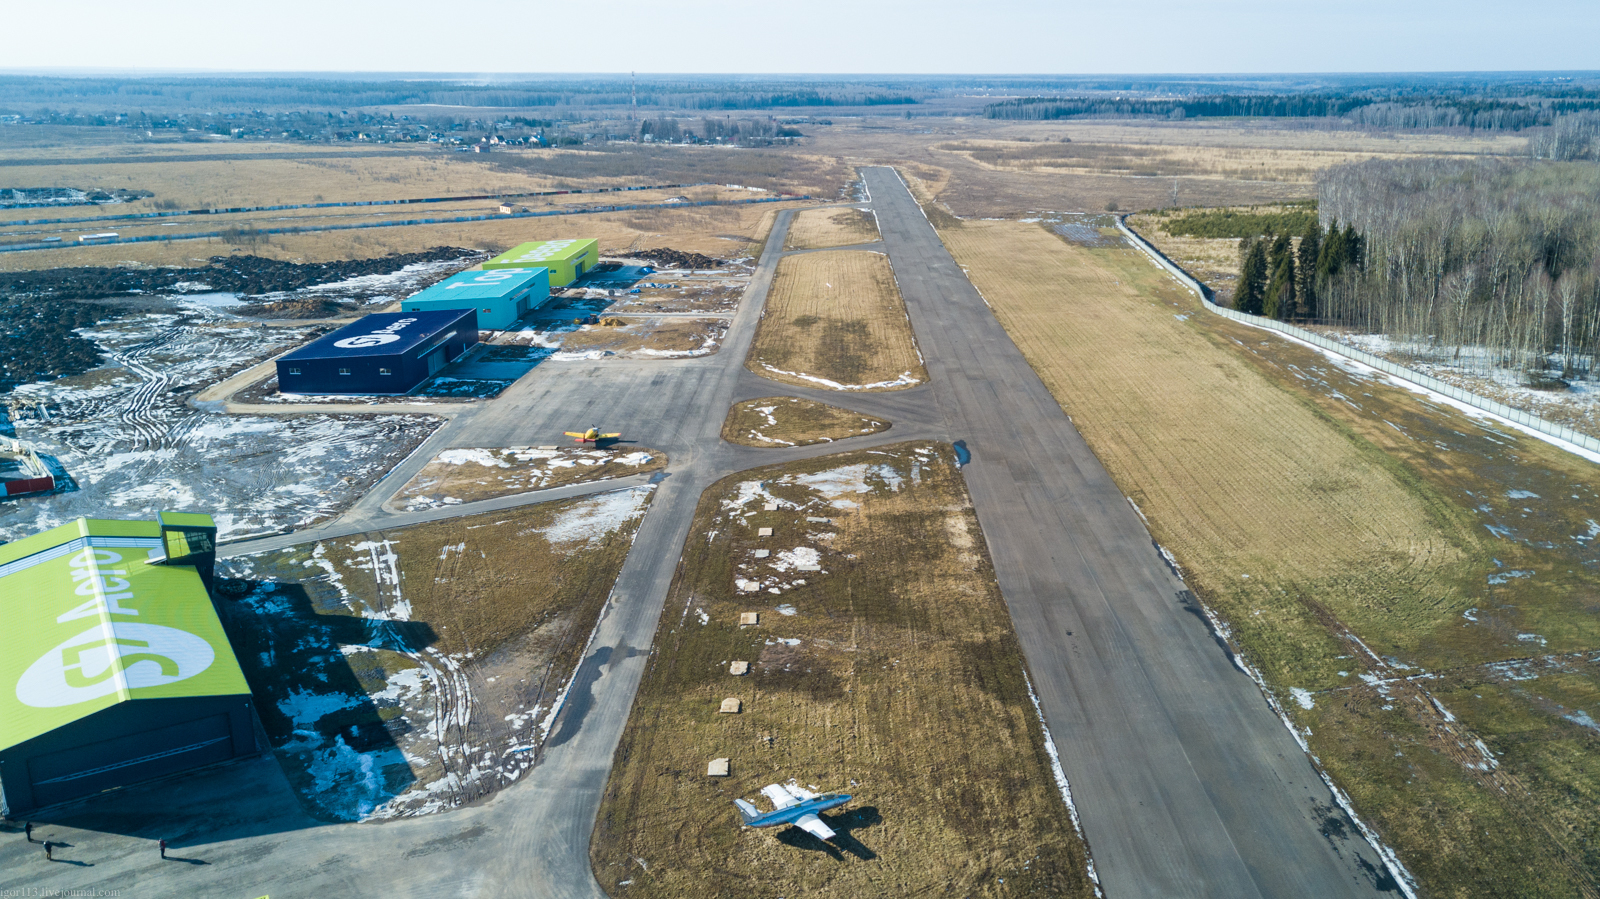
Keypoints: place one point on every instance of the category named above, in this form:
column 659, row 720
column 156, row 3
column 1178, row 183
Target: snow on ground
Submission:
column 475, row 456
column 129, row 443
column 508, row 470
column 381, row 288
column 438, row 755
column 905, row 380
column 590, row 521
column 830, row 489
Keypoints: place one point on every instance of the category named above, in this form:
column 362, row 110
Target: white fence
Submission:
column 1525, row 419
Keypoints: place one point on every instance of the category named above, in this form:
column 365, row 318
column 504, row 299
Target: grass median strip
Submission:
column 882, row 663
column 466, row 475
column 836, row 320
column 790, row 421
column 1416, row 587
column 814, row 229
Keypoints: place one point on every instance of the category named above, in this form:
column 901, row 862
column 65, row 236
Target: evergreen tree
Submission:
column 1306, row 257
column 1280, row 299
column 1252, row 275
column 1331, row 259
column 1354, row 248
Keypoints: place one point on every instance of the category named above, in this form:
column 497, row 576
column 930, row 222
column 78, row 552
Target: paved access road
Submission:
column 1186, row 782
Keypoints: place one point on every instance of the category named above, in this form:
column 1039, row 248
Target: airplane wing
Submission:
column 611, row 436
column 573, row 433
column 801, row 794
column 813, row 825
column 781, row 798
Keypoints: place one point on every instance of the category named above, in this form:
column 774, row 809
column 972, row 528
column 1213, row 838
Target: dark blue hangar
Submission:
column 389, row 353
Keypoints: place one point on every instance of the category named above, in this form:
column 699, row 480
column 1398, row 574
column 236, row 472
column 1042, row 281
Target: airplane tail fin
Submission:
column 746, row 811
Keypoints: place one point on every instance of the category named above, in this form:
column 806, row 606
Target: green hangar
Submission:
column 114, row 667
column 501, row 296
column 567, row 260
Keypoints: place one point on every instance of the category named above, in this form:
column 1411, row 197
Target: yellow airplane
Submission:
column 592, row 435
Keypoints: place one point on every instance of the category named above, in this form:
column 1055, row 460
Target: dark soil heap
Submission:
column 668, row 258
column 245, row 275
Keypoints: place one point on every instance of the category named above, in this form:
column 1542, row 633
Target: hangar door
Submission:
column 80, row 770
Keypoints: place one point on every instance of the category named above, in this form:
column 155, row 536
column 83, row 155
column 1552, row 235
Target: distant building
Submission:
column 22, row 471
column 501, row 296
column 114, row 667
column 567, row 260
column 389, row 353
column 508, row 208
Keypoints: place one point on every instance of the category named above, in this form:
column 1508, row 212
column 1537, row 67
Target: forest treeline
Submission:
column 1413, row 111
column 1485, row 263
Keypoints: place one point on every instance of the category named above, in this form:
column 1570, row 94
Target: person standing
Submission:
column 47, row 854
column 27, row 830
column 163, row 844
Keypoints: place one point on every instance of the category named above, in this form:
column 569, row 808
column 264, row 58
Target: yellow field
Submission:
column 816, row 229
column 835, row 319
column 1341, row 528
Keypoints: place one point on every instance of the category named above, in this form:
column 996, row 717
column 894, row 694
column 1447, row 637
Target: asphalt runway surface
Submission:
column 1186, row 782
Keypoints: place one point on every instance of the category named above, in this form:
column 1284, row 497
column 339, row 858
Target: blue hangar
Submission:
column 501, row 296
column 387, row 353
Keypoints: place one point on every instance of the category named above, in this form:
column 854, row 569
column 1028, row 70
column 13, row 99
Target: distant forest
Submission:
column 1409, row 111
column 23, row 95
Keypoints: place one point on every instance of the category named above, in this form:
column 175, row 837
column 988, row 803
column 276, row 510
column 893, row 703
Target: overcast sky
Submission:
column 810, row 36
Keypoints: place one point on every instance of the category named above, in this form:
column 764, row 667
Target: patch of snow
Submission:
column 787, row 609
column 905, row 380
column 475, row 456
column 1532, row 638
column 1301, row 696
column 591, row 520
column 800, row 557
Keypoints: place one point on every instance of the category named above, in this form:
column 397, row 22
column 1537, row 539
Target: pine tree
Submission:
column 1280, row 300
column 1252, row 275
column 1354, row 248
column 1306, row 257
column 1331, row 259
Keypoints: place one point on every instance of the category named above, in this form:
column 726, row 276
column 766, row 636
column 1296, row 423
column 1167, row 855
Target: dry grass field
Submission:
column 721, row 231
column 1399, row 574
column 835, row 319
column 402, row 673
column 774, row 421
column 1234, row 163
column 466, row 475
column 816, row 229
column 261, row 177
column 1227, row 162
column 883, row 665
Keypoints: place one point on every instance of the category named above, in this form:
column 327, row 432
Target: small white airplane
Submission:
column 793, row 804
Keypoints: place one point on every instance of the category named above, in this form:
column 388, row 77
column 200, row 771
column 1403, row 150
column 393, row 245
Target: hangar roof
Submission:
column 543, row 251
column 381, row 334
column 92, row 619
column 471, row 287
